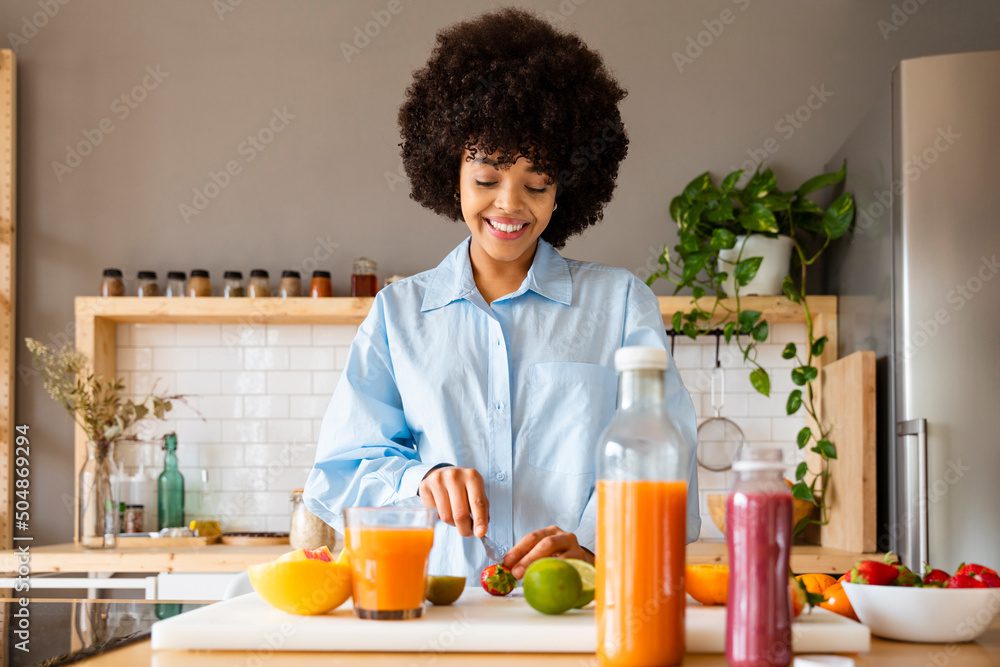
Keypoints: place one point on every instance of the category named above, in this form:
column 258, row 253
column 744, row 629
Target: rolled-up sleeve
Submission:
column 365, row 455
column 644, row 326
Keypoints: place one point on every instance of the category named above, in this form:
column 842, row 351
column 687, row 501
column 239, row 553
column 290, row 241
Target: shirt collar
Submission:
column 548, row 276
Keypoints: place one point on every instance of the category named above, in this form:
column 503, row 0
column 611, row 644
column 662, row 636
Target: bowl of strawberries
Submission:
column 897, row 603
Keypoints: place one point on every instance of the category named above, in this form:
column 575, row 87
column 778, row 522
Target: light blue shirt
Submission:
column 519, row 389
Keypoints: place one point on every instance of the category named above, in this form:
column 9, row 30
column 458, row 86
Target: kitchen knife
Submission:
column 493, row 552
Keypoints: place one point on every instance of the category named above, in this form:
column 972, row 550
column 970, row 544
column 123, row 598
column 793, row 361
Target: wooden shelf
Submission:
column 66, row 558
column 97, row 319
column 352, row 310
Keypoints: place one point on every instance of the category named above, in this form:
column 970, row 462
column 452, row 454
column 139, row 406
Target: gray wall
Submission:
column 330, row 175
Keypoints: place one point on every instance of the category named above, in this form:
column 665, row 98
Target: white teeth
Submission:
column 504, row 228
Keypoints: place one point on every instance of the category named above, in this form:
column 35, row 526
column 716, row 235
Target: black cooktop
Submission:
column 61, row 632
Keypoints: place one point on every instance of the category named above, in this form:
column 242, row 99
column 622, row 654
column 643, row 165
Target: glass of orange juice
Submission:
column 389, row 547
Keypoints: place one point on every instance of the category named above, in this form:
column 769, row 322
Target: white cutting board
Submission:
column 478, row 622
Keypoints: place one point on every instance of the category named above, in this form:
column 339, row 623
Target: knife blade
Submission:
column 493, row 552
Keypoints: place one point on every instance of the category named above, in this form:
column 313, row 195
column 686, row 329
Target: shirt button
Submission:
column 501, row 476
column 499, row 407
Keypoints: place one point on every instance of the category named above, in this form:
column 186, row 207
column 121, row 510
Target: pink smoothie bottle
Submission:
column 759, row 538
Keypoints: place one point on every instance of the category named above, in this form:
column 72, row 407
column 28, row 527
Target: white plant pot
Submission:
column 777, row 254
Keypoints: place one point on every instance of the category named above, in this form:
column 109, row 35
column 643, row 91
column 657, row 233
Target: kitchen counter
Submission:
column 106, row 625
column 224, row 558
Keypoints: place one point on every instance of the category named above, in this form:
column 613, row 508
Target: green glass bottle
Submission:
column 170, row 487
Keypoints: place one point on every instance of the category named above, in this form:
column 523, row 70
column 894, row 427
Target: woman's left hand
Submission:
column 550, row 541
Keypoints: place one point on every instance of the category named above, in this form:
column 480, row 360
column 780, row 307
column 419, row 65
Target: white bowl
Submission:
column 924, row 614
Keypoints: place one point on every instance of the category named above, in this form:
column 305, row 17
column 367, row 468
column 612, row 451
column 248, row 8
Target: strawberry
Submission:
column 973, row 568
column 963, row 581
column 874, row 572
column 497, row 580
column 935, row 577
column 980, row 573
column 907, row 577
column 990, row 579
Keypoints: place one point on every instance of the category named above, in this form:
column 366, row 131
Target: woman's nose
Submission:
column 509, row 199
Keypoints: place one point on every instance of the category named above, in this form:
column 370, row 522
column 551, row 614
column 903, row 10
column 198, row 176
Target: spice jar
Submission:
column 112, row 283
column 134, row 519
column 320, row 285
column 146, row 284
column 199, row 284
column 291, row 284
column 308, row 531
column 233, row 286
column 175, row 284
column 260, row 283
column 363, row 280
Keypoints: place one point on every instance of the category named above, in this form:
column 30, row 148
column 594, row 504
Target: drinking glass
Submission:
column 389, row 547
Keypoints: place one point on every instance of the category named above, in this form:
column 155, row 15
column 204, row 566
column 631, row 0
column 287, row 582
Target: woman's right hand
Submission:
column 459, row 497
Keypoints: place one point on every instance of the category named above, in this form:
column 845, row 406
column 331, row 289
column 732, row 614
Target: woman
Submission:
column 482, row 385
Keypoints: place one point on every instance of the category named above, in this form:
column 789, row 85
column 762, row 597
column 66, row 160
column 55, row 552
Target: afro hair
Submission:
column 509, row 82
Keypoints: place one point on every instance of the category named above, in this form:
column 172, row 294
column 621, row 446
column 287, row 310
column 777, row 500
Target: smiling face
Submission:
column 506, row 209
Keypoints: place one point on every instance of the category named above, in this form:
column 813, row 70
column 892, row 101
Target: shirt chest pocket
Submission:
column 567, row 406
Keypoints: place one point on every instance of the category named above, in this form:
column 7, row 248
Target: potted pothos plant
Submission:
column 719, row 226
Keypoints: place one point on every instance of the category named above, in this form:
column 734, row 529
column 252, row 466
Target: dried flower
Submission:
column 94, row 402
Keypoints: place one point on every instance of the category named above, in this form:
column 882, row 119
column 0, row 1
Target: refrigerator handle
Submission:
column 916, row 503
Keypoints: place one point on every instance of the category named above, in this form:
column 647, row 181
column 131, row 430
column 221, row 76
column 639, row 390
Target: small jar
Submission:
column 363, row 279
column 291, row 284
column 175, row 284
column 134, row 519
column 233, row 284
column 320, row 286
column 308, row 531
column 112, row 283
column 199, row 284
column 146, row 284
column 260, row 283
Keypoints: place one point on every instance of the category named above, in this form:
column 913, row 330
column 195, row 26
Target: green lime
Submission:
column 587, row 577
column 552, row 586
column 443, row 590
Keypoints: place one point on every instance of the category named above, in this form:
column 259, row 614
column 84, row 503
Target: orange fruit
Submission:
column 816, row 583
column 707, row 583
column 837, row 602
column 305, row 586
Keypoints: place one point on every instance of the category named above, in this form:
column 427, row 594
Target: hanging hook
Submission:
column 673, row 340
column 718, row 342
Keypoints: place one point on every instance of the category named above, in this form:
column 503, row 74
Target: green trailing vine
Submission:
column 710, row 217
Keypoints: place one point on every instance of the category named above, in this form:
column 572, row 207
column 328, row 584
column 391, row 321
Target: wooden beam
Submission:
column 8, row 289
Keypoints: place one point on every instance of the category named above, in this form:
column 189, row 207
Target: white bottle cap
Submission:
column 637, row 357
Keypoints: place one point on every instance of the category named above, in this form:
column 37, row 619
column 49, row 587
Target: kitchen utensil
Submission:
column 493, row 552
column 719, row 439
column 484, row 623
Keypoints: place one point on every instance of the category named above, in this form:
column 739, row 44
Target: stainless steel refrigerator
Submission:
column 919, row 283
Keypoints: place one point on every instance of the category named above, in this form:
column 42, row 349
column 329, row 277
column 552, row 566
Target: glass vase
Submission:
column 98, row 502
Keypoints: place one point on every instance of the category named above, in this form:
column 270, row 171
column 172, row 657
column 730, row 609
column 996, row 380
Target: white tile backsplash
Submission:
column 257, row 394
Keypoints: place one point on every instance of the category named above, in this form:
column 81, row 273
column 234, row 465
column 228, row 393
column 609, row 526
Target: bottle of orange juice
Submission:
column 641, row 520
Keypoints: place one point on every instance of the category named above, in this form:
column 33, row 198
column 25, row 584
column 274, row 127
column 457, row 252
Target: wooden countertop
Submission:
column 224, row 558
column 984, row 652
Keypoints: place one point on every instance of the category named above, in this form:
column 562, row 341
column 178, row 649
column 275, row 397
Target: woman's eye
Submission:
column 486, row 183
column 538, row 190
